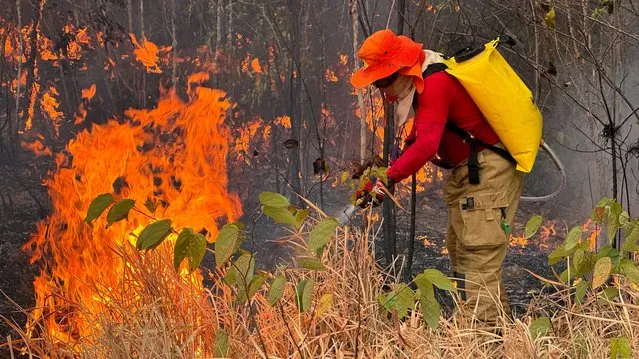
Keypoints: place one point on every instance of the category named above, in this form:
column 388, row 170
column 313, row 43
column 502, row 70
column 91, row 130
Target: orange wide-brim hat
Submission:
column 385, row 53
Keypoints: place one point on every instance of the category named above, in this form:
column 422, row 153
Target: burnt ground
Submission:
column 24, row 201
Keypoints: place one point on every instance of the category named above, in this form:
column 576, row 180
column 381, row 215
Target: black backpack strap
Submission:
column 432, row 68
column 474, row 143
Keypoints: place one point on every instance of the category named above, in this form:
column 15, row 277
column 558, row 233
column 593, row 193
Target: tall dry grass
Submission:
column 173, row 318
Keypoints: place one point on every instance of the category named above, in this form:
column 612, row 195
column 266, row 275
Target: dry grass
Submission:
column 172, row 318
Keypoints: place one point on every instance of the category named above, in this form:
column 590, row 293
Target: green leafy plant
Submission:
column 188, row 245
column 589, row 269
column 402, row 298
column 238, row 265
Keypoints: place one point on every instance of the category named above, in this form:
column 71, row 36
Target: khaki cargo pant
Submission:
column 476, row 242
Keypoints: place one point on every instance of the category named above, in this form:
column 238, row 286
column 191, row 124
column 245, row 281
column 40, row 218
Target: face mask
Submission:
column 400, row 88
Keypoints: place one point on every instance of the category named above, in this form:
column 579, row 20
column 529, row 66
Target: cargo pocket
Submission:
column 482, row 217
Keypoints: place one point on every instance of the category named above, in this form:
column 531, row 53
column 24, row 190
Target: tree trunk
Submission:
column 142, row 19
column 411, row 234
column 388, row 210
column 174, row 45
column 363, row 126
column 142, row 37
column 15, row 125
column 31, row 66
column 129, row 10
column 295, row 99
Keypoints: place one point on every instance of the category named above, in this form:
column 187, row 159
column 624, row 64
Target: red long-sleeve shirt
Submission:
column 443, row 99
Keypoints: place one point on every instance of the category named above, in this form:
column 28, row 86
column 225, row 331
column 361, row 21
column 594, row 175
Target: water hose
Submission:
column 555, row 159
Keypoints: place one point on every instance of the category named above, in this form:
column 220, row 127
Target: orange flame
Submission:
column 255, row 66
column 147, row 54
column 87, row 94
column 330, row 75
column 284, row 121
column 49, row 106
column 251, row 136
column 37, row 147
column 175, row 155
column 343, row 59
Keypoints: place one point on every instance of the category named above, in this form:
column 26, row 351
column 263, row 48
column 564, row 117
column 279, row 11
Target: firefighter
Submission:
column 482, row 188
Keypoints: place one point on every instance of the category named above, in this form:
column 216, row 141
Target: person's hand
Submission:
column 371, row 193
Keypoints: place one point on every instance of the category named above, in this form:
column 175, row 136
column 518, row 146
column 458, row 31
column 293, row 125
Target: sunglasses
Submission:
column 386, row 81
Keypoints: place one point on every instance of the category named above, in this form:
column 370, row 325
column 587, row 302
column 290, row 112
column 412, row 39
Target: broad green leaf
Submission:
column 573, row 238
column 322, row 233
column 119, row 211
column 610, row 293
column 540, row 327
column 607, row 251
column 304, row 295
column 276, row 290
column 300, row 216
column 550, row 18
column 630, row 270
column 620, row 348
column 631, row 239
column 196, row 251
column 624, row 219
column 599, row 210
column 580, row 291
column 225, row 243
column 558, row 254
column 179, row 252
column 272, row 199
column 311, row 263
column 439, row 280
column 150, row 205
column 324, row 304
column 404, row 299
column 578, row 259
column 280, row 215
column 97, row 206
column 612, row 223
column 615, row 212
column 422, row 282
column 532, row 226
column 241, row 271
column 564, row 275
column 387, row 302
column 431, row 310
column 221, row 344
column 601, row 272
column 153, row 234
column 255, row 284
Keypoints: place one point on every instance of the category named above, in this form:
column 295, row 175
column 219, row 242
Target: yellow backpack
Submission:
column 503, row 99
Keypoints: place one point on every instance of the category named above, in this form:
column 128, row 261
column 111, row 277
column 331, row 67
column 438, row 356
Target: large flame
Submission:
column 173, row 155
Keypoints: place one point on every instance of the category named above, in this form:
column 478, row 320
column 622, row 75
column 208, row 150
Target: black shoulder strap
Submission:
column 432, row 68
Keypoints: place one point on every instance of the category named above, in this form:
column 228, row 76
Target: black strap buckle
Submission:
column 469, row 205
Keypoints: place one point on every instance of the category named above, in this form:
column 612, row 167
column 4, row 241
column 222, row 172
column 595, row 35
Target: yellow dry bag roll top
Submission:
column 504, row 100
